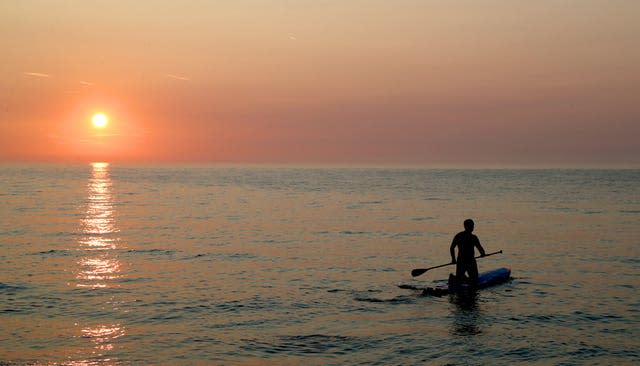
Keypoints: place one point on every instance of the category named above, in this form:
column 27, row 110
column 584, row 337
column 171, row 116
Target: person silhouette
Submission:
column 466, row 241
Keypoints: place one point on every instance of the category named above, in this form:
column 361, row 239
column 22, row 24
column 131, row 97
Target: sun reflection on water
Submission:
column 103, row 335
column 100, row 233
column 100, row 268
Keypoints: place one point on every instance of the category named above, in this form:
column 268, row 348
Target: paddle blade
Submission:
column 418, row 271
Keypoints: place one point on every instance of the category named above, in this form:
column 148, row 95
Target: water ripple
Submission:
column 314, row 344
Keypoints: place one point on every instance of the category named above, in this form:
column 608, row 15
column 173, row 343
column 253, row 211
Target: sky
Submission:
column 428, row 83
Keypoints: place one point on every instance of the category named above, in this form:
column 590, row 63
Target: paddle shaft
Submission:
column 419, row 271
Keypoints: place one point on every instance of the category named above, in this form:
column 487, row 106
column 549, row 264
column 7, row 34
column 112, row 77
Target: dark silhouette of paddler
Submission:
column 466, row 241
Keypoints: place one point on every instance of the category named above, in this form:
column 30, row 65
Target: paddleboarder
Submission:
column 466, row 241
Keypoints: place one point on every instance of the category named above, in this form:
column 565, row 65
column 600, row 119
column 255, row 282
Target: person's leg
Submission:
column 461, row 268
column 472, row 269
column 452, row 279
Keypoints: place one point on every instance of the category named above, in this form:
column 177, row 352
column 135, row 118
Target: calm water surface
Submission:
column 115, row 265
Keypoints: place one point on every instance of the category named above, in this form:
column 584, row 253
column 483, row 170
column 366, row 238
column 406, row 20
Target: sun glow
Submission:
column 99, row 120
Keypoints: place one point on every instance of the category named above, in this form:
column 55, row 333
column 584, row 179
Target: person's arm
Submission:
column 479, row 246
column 453, row 251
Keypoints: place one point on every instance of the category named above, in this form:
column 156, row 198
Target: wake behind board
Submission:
column 485, row 279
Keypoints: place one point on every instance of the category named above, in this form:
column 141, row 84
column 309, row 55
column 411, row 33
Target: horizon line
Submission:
column 356, row 165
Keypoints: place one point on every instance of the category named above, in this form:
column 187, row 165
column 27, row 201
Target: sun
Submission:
column 99, row 120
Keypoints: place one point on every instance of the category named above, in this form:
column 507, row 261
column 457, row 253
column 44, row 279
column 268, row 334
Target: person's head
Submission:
column 468, row 225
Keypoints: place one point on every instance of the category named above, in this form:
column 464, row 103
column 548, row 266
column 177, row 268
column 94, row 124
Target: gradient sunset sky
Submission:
column 433, row 83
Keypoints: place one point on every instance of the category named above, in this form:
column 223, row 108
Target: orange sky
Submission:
column 331, row 82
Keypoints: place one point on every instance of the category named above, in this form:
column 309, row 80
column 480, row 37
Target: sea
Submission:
column 112, row 264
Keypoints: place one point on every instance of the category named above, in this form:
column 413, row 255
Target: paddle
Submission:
column 418, row 271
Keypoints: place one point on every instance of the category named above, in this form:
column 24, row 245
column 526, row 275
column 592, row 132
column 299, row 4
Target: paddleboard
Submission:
column 485, row 279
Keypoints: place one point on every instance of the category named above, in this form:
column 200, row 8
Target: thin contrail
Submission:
column 177, row 77
column 37, row 74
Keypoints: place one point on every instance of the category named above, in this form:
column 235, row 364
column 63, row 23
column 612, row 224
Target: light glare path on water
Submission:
column 108, row 264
